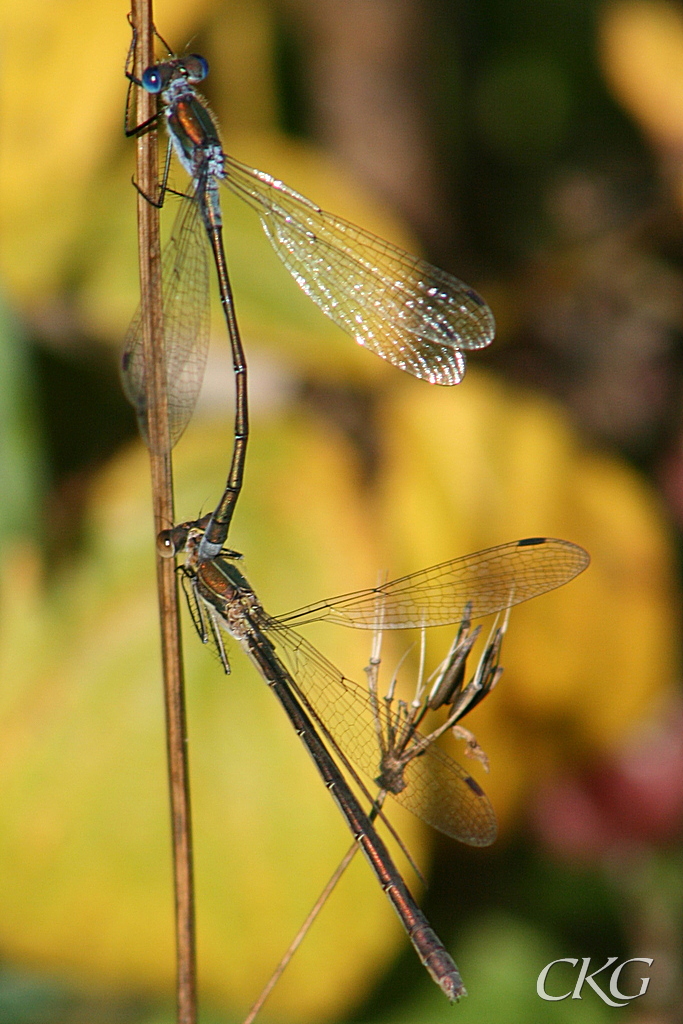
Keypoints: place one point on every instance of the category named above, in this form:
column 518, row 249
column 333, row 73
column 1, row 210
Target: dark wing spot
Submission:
column 474, row 785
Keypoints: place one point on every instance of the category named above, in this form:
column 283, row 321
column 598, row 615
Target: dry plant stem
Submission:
column 305, row 927
column 162, row 501
column 300, row 935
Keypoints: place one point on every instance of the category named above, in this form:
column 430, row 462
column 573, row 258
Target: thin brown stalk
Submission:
column 301, row 934
column 162, row 502
column 306, row 926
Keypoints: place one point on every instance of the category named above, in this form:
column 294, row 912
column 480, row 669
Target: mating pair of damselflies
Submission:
column 418, row 318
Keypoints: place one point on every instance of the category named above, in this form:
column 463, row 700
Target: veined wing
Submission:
column 401, row 308
column 185, row 305
column 489, row 580
column 438, row 790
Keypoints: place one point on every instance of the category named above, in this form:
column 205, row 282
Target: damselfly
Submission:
column 410, row 313
column 432, row 785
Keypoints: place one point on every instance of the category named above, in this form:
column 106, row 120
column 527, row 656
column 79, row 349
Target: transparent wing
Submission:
column 438, row 790
column 403, row 309
column 490, row 580
column 185, row 304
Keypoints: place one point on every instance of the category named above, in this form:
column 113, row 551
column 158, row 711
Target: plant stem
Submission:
column 162, row 502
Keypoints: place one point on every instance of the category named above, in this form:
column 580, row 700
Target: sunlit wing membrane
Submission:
column 410, row 313
column 438, row 790
column 185, row 304
column 490, row 580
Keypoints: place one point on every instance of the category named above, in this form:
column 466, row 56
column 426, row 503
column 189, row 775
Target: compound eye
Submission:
column 165, row 546
column 196, row 66
column 152, row 79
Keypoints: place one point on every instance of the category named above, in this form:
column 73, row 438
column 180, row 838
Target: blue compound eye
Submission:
column 152, row 79
column 196, row 66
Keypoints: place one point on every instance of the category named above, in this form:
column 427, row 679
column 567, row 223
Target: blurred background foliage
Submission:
column 533, row 150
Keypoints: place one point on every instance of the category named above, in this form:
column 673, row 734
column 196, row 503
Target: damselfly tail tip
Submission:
column 452, row 987
column 438, row 962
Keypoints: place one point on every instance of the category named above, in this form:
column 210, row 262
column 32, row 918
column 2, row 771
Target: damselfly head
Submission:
column 154, row 78
column 170, row 542
column 192, row 67
column 165, row 545
column 196, row 67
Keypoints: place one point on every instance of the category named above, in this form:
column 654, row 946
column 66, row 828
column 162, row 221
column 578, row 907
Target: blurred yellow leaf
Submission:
column 83, row 806
column 642, row 56
column 583, row 664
